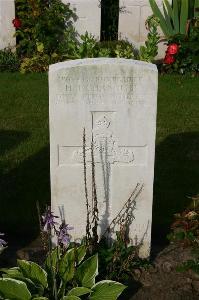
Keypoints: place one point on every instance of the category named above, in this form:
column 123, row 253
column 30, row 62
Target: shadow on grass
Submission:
column 20, row 189
column 10, row 139
column 176, row 178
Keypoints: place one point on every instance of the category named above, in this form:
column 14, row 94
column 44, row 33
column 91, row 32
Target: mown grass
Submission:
column 24, row 150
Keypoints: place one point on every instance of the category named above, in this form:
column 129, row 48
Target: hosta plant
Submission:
column 65, row 276
column 68, row 273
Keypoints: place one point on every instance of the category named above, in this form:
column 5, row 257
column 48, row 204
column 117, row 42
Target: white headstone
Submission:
column 89, row 16
column 132, row 20
column 7, row 14
column 115, row 99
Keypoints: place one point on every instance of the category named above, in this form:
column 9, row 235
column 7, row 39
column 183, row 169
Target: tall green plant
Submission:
column 44, row 24
column 175, row 16
column 150, row 50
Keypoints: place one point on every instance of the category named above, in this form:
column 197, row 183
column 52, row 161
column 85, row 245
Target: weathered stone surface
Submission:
column 115, row 100
column 89, row 16
column 132, row 20
column 7, row 14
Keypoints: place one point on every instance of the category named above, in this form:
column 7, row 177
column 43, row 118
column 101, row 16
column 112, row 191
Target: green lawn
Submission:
column 24, row 150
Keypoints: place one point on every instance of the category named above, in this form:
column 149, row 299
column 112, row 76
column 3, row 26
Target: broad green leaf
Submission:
column 40, row 298
column 81, row 252
column 40, row 47
column 52, row 259
column 106, row 290
column 33, row 271
column 13, row 289
column 78, row 291
column 184, row 14
column 12, row 272
column 16, row 274
column 87, row 271
column 71, row 298
column 67, row 265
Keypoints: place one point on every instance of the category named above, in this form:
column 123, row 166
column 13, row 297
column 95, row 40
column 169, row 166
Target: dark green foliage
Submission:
column 89, row 47
column 44, row 22
column 9, row 61
column 116, row 49
column 187, row 60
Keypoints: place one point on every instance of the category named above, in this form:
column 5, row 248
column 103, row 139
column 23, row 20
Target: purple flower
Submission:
column 63, row 235
column 2, row 242
column 49, row 220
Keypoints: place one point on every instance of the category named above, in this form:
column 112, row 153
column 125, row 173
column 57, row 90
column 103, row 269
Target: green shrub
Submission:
column 120, row 49
column 47, row 22
column 9, row 61
column 38, row 63
column 87, row 47
column 92, row 48
column 150, row 50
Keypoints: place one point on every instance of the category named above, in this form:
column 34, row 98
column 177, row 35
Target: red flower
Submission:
column 169, row 59
column 16, row 23
column 173, row 49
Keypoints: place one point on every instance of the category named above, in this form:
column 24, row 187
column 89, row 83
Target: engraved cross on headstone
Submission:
column 106, row 146
column 107, row 152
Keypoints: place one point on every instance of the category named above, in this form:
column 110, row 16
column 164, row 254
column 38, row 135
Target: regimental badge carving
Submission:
column 103, row 122
column 105, row 145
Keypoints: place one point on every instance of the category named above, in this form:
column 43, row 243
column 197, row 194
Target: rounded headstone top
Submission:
column 101, row 61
